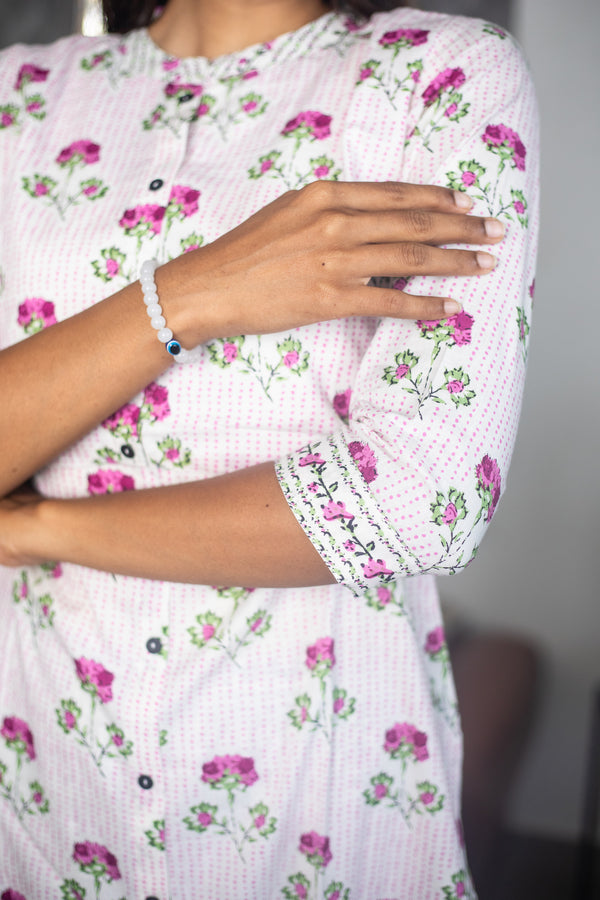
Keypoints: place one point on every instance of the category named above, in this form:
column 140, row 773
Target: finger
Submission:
column 386, row 195
column 393, row 304
column 418, row 259
column 416, row 225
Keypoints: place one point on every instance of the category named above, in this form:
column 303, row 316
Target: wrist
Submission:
column 189, row 306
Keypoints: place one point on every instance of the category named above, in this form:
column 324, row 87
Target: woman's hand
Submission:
column 308, row 257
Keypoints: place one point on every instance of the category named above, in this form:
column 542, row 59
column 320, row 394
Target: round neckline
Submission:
column 250, row 61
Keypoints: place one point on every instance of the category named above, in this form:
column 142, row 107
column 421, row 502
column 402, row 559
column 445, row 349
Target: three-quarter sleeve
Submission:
column 409, row 484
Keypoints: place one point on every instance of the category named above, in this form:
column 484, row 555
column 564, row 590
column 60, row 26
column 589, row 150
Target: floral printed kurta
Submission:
column 215, row 742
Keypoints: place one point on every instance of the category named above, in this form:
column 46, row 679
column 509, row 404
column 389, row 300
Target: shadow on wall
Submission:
column 35, row 22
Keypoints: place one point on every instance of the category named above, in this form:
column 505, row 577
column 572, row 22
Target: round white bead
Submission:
column 148, row 268
column 150, row 297
column 158, row 322
column 154, row 309
column 165, row 335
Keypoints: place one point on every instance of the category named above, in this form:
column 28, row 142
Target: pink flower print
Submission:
column 36, row 313
column 315, row 123
column 29, row 73
column 249, row 106
column 338, row 705
column 365, row 73
column 489, row 483
column 208, row 632
column 450, row 110
column 149, row 214
column 97, row 677
column 505, row 138
column 291, row 358
column 230, row 351
column 205, row 819
column 69, row 720
column 450, row 514
column 11, row 894
column 265, row 165
column 177, row 89
column 402, row 370
column 313, row 487
column 384, row 595
column 311, row 459
column 532, row 289
column 40, row 189
column 381, row 790
column 455, row 386
column 321, row 171
column 336, row 510
column 375, row 567
column 436, row 639
column 468, row 178
column 17, row 733
column 157, row 398
column 86, row 152
column 117, row 739
column 416, row 75
column 341, row 403
column 6, row 119
column 316, row 849
column 259, row 821
column 426, row 798
column 186, row 198
column 351, row 25
column 173, row 453
column 33, row 106
column 170, row 64
column 461, row 325
column 256, row 623
column 125, row 418
column 90, row 854
column 321, row 654
column 403, row 734
column 364, row 457
column 349, row 545
column 109, row 481
column 408, row 36
column 240, row 769
column 449, row 78
column 252, row 73
column 519, row 207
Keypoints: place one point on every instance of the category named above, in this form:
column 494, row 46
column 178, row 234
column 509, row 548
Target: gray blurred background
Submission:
column 533, row 593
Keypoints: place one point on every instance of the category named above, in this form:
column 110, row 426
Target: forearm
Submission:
column 235, row 529
column 63, row 381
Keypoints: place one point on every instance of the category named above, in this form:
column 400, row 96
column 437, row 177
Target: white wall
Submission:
column 538, row 573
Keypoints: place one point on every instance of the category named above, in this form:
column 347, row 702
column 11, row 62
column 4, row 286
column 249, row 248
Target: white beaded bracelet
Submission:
column 157, row 320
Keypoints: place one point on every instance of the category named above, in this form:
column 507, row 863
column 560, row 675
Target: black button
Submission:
column 185, row 98
column 154, row 645
column 151, row 898
column 127, row 451
column 156, row 184
column 145, row 782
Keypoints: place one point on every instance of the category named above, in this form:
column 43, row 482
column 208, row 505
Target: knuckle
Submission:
column 419, row 221
column 414, row 255
column 318, row 193
column 332, row 224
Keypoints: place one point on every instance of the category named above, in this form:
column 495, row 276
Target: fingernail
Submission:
column 451, row 307
column 463, row 200
column 486, row 260
column 494, row 228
